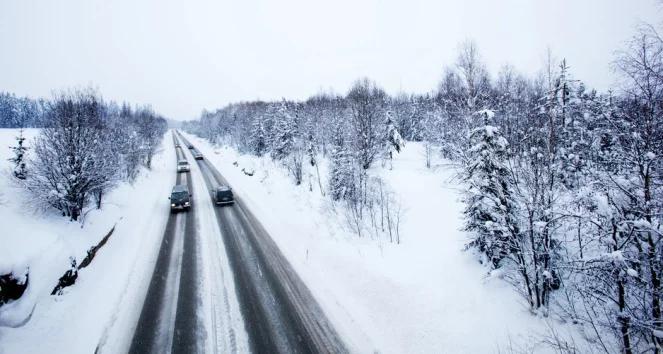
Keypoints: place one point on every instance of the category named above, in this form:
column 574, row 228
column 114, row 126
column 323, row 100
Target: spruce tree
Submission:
column 392, row 138
column 20, row 170
column 489, row 205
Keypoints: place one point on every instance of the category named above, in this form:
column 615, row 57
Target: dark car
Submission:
column 224, row 195
column 197, row 155
column 180, row 198
column 190, row 146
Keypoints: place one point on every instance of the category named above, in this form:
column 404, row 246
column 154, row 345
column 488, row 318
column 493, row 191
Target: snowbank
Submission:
column 422, row 296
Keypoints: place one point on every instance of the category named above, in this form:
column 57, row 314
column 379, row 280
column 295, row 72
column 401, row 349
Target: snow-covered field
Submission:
column 102, row 306
column 423, row 296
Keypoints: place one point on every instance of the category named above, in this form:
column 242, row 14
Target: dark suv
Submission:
column 224, row 195
column 180, row 198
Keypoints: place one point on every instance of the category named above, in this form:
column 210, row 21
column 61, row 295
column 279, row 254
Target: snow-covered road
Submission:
column 221, row 284
column 168, row 318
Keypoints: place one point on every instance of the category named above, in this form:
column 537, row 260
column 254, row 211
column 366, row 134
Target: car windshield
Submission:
column 179, row 195
column 183, row 163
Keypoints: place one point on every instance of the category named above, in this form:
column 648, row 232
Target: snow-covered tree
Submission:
column 342, row 173
column 258, row 139
column 150, row 128
column 393, row 142
column 67, row 167
column 490, row 209
column 19, row 159
column 284, row 132
column 367, row 102
column 343, row 164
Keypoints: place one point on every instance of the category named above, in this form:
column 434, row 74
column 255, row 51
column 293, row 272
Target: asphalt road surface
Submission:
column 168, row 320
column 279, row 312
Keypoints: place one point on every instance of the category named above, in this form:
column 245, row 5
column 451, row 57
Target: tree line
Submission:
column 354, row 132
column 85, row 147
column 21, row 112
column 564, row 184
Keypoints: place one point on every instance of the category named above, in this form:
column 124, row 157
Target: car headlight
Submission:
column 186, row 203
column 172, row 205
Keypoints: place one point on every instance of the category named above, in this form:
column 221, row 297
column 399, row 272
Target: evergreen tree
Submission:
column 393, row 139
column 489, row 208
column 284, row 132
column 20, row 170
column 342, row 183
column 258, row 137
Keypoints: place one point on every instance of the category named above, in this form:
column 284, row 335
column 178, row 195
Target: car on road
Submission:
column 190, row 146
column 177, row 145
column 197, row 155
column 180, row 198
column 223, row 195
column 183, row 166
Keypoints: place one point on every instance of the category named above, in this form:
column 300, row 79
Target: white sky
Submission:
column 183, row 56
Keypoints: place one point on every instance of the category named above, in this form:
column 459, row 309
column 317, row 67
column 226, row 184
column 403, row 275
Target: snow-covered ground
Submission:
column 423, row 296
column 102, row 307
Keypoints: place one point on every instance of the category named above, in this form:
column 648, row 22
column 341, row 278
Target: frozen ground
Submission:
column 101, row 306
column 422, row 296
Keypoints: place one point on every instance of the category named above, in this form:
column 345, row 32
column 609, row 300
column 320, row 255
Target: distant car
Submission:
column 180, row 198
column 177, row 145
column 190, row 146
column 224, row 195
column 183, row 166
column 197, row 155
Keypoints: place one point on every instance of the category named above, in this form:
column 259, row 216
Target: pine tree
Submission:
column 284, row 132
column 490, row 209
column 258, row 138
column 20, row 170
column 392, row 138
column 342, row 183
column 343, row 164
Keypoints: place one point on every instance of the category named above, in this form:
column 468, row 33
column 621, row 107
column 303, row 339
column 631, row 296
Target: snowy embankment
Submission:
column 423, row 296
column 102, row 306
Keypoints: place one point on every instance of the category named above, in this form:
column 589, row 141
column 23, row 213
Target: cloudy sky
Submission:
column 183, row 56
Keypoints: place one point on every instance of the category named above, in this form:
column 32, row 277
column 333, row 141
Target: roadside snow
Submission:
column 102, row 307
column 422, row 296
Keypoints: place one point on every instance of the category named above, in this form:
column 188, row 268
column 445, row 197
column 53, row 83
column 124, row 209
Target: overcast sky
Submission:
column 183, row 56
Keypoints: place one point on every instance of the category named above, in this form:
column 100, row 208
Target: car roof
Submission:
column 223, row 188
column 180, row 188
column 180, row 161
